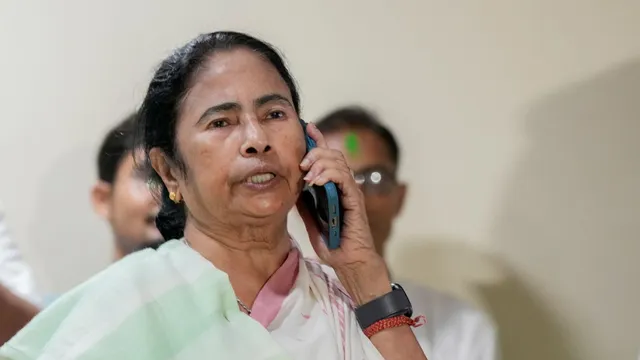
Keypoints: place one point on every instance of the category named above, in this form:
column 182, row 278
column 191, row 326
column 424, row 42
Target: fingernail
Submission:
column 305, row 162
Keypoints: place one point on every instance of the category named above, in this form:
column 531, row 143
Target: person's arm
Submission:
column 368, row 281
column 15, row 314
column 15, row 274
column 360, row 269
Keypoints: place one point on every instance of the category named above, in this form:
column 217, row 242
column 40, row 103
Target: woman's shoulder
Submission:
column 142, row 276
column 149, row 270
column 119, row 296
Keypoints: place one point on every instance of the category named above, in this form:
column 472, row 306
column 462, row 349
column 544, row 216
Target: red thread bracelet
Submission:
column 392, row 322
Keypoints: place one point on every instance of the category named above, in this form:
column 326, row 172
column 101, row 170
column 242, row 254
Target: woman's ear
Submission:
column 161, row 165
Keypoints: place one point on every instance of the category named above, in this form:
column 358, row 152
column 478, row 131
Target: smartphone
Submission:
column 324, row 203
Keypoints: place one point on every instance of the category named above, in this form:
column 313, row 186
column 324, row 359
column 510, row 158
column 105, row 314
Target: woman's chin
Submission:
column 266, row 207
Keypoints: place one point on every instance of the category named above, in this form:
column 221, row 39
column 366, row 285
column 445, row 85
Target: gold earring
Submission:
column 174, row 197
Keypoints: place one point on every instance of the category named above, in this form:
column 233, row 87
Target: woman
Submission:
column 226, row 150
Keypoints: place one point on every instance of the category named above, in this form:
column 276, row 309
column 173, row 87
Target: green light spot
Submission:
column 351, row 143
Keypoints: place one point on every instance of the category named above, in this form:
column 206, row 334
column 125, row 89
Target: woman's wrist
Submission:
column 366, row 279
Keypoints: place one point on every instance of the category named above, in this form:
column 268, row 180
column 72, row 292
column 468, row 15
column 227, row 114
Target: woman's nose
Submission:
column 252, row 150
column 256, row 140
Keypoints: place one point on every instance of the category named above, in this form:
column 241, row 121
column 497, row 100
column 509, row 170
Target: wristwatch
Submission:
column 392, row 304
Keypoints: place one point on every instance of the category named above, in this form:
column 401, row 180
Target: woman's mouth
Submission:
column 260, row 178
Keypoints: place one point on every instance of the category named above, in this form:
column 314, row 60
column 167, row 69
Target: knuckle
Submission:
column 316, row 153
column 347, row 174
column 337, row 153
column 337, row 174
column 318, row 165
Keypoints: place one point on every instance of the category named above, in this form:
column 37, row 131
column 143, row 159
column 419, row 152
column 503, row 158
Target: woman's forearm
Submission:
column 367, row 281
column 398, row 343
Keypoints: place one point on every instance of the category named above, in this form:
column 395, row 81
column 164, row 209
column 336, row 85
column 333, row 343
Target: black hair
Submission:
column 159, row 111
column 356, row 117
column 116, row 145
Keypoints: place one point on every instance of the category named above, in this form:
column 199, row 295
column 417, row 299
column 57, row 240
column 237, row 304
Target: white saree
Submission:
column 171, row 303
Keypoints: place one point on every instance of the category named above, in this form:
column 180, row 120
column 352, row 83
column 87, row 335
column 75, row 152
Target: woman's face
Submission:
column 241, row 141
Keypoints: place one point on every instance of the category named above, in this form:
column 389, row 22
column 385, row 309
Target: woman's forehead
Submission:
column 235, row 76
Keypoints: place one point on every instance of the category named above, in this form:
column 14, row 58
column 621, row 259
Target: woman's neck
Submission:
column 249, row 256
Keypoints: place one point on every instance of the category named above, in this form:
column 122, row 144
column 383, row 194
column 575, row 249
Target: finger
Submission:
column 351, row 194
column 338, row 176
column 321, row 153
column 316, row 135
column 323, row 164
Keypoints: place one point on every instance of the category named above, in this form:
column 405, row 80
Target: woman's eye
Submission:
column 219, row 123
column 277, row 114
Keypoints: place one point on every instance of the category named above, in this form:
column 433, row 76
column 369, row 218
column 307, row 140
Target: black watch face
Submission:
column 391, row 304
column 397, row 287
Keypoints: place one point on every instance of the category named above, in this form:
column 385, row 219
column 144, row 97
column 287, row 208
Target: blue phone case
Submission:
column 327, row 203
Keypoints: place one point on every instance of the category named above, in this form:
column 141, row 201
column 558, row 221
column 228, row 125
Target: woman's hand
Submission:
column 361, row 270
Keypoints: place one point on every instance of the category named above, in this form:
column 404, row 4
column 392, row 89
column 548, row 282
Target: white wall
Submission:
column 518, row 120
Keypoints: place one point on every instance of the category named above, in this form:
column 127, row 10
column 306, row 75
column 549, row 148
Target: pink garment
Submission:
column 307, row 312
column 270, row 298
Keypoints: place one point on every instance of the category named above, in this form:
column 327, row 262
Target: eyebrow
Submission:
column 218, row 108
column 271, row 97
column 236, row 106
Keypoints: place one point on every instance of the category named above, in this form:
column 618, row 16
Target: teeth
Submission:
column 260, row 178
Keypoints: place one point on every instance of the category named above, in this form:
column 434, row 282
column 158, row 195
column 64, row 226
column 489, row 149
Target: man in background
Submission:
column 454, row 330
column 121, row 195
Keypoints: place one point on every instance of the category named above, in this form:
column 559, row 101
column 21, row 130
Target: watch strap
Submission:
column 394, row 303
